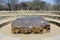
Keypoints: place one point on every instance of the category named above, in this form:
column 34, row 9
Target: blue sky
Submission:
column 48, row 1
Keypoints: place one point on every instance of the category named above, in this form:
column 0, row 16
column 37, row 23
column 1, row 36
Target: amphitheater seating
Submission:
column 49, row 16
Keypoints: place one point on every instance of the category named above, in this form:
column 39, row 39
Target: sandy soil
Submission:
column 6, row 30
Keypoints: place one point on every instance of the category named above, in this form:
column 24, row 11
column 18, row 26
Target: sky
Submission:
column 48, row 1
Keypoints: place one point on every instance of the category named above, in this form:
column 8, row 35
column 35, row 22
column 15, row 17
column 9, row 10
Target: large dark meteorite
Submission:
column 30, row 24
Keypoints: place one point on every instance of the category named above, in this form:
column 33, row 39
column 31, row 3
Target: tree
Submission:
column 11, row 4
column 3, row 5
column 57, row 1
column 24, row 6
column 32, row 5
column 57, row 5
column 38, row 5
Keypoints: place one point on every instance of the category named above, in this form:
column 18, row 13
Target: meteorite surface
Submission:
column 29, row 22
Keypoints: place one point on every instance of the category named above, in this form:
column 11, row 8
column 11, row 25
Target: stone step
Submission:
column 54, row 21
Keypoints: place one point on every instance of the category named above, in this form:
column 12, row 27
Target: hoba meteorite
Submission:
column 30, row 24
